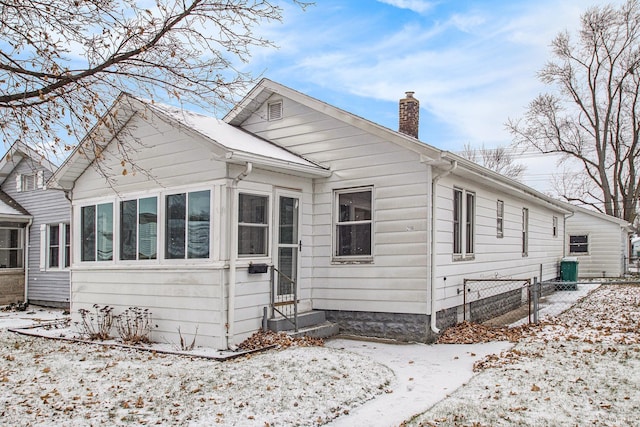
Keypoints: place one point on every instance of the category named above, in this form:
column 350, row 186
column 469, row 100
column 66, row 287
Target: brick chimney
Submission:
column 408, row 117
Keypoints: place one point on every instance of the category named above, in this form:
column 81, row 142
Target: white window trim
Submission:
column 38, row 181
column 269, row 225
column 45, row 234
column 158, row 230
column 464, row 255
column 214, row 237
column 351, row 259
column 500, row 219
column 525, row 232
column 22, row 248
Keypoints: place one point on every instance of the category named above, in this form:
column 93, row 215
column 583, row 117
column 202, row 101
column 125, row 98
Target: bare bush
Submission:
column 96, row 325
column 134, row 325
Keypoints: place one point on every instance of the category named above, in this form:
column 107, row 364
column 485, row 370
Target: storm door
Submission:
column 287, row 243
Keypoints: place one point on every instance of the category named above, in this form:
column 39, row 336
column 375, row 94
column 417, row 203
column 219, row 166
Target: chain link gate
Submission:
column 497, row 301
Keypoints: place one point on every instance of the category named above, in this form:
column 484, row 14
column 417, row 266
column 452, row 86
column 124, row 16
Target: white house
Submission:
column 178, row 213
column 599, row 242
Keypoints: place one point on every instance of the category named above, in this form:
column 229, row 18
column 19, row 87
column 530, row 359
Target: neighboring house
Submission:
column 378, row 229
column 44, row 261
column 635, row 247
column 14, row 224
column 599, row 242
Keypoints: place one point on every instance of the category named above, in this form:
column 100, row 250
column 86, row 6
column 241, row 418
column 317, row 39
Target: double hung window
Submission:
column 353, row 223
column 464, row 213
column 57, row 251
column 525, row 232
column 253, row 225
column 11, row 246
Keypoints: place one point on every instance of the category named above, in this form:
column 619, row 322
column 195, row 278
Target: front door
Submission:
column 288, row 244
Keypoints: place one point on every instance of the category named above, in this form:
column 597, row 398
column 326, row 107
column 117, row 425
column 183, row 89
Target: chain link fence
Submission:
column 496, row 301
column 514, row 302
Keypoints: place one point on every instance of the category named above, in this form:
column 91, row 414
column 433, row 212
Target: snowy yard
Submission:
column 581, row 368
column 577, row 369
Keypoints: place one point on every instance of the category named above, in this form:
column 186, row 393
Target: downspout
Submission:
column 232, row 231
column 564, row 234
column 434, row 186
column 26, row 260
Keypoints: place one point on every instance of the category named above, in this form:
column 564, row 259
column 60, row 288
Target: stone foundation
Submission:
column 11, row 287
column 396, row 326
column 497, row 305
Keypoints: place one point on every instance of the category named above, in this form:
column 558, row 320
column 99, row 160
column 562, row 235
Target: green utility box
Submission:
column 569, row 272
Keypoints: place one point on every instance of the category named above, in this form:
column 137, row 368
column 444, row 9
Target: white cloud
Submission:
column 418, row 6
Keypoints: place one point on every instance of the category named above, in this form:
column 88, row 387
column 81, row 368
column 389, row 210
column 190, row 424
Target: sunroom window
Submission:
column 139, row 229
column 96, row 232
column 187, row 226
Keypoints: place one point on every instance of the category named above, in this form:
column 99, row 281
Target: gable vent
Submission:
column 274, row 110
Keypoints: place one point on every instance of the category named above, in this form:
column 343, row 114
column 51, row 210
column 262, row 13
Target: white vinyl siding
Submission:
column 392, row 278
column 600, row 243
column 493, row 257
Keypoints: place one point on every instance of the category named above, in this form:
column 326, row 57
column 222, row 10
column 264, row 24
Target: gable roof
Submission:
column 236, row 145
column 18, row 152
column 8, row 206
column 625, row 225
column 439, row 159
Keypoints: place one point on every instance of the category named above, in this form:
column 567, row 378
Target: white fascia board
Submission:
column 279, row 165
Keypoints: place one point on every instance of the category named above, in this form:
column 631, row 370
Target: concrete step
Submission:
column 306, row 319
column 323, row 330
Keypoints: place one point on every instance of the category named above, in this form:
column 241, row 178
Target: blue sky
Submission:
column 472, row 64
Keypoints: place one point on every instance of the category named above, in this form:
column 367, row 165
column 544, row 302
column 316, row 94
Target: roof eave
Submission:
column 278, row 165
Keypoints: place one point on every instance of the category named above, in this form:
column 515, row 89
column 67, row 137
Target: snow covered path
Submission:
column 425, row 374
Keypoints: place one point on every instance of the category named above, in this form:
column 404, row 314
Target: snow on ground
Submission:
column 577, row 365
column 56, row 382
column 581, row 368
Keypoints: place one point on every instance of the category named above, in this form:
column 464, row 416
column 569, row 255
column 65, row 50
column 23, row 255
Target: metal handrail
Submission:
column 291, row 314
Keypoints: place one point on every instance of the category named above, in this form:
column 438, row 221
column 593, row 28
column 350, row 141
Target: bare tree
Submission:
column 63, row 62
column 594, row 116
column 497, row 159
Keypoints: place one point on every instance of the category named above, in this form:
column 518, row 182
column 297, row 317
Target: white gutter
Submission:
column 26, row 260
column 232, row 231
column 434, row 186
